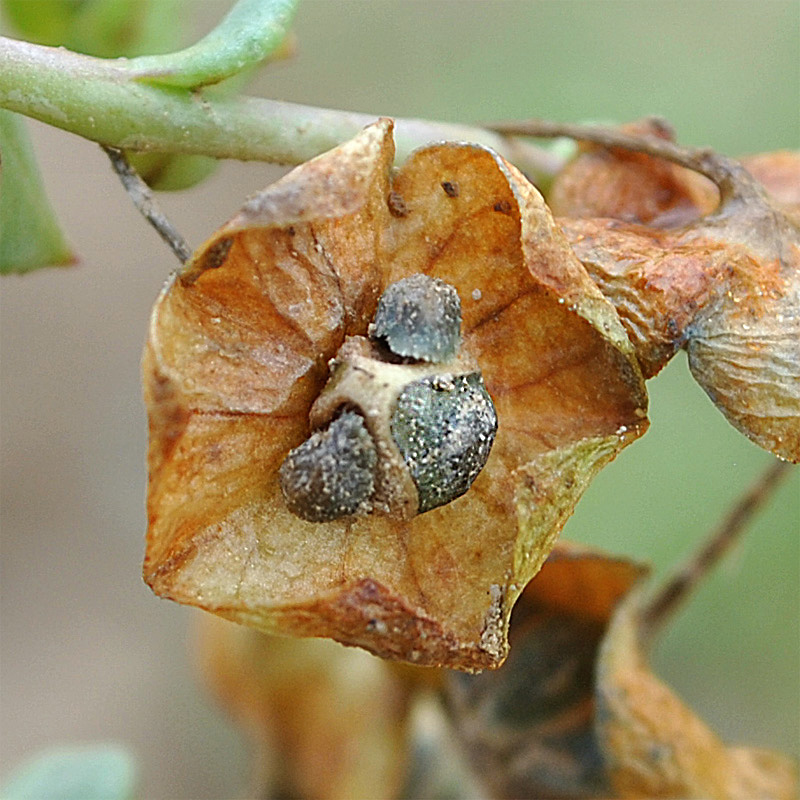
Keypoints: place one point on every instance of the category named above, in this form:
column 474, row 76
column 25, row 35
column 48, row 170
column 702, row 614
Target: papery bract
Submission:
column 238, row 351
column 724, row 286
column 576, row 711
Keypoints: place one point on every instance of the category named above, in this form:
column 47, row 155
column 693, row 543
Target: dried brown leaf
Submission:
column 725, row 286
column 238, row 350
column 325, row 722
column 576, row 711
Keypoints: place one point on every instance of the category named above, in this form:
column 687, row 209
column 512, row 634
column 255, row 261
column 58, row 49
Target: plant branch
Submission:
column 101, row 100
column 680, row 586
column 142, row 197
column 252, row 31
column 730, row 177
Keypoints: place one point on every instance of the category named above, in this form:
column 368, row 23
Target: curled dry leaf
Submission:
column 629, row 186
column 239, row 350
column 577, row 713
column 724, row 286
column 324, row 722
column 655, row 746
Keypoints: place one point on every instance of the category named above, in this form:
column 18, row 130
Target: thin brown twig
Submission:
column 730, row 177
column 142, row 197
column 680, row 586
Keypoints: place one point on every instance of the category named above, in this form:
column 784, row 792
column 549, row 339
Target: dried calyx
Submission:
column 238, row 372
column 724, row 284
column 404, row 424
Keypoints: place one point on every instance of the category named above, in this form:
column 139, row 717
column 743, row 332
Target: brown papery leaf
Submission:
column 655, row 746
column 324, row 722
column 577, row 713
column 726, row 287
column 528, row 729
column 629, row 186
column 238, row 351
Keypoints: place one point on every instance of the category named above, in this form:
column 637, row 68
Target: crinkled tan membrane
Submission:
column 577, row 710
column 238, row 350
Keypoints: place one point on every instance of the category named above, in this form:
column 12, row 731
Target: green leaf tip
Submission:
column 90, row 772
column 251, row 32
column 29, row 233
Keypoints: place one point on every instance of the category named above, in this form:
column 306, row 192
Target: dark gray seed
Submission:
column 419, row 317
column 330, row 475
column 444, row 427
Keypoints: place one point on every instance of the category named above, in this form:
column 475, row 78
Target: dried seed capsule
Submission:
column 331, row 474
column 418, row 429
column 444, row 426
column 419, row 317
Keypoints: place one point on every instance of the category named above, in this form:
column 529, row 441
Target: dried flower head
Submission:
column 259, row 363
column 721, row 281
column 577, row 710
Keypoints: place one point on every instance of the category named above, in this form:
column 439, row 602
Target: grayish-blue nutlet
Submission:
column 444, row 427
column 418, row 423
column 419, row 317
column 330, row 475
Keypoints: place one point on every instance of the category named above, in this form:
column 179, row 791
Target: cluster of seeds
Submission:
column 418, row 409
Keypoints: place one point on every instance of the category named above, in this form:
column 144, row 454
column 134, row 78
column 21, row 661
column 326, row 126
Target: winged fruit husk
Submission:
column 725, row 286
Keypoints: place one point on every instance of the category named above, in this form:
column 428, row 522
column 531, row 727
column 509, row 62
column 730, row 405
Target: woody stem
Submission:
column 730, row 177
column 685, row 580
column 142, row 197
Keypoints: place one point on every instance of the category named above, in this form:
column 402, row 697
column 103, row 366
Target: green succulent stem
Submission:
column 250, row 33
column 109, row 102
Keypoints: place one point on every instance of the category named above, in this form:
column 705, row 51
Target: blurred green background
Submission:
column 88, row 653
